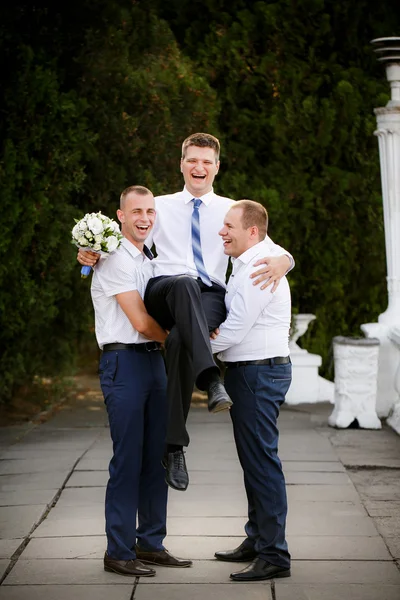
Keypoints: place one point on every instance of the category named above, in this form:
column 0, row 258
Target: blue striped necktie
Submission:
column 196, row 244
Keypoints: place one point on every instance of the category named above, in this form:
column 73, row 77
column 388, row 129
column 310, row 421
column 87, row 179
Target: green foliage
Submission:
column 93, row 104
column 298, row 82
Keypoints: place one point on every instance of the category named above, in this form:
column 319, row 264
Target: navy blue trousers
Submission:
column 257, row 392
column 134, row 388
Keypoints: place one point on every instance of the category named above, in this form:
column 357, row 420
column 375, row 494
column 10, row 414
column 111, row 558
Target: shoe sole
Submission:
column 237, row 560
column 246, row 580
column 182, row 489
column 110, row 570
column 148, row 562
column 221, row 406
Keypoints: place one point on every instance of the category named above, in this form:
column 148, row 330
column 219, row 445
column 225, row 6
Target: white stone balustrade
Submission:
column 388, row 133
column 356, row 374
column 394, row 417
column 307, row 385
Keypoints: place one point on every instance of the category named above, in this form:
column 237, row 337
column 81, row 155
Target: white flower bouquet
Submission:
column 98, row 233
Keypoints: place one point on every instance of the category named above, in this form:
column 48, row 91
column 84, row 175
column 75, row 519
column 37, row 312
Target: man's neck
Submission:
column 139, row 245
column 195, row 193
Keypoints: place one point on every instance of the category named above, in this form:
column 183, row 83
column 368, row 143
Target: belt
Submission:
column 277, row 360
column 146, row 347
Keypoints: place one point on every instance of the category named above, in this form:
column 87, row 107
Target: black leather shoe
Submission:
column 162, row 558
column 176, row 474
column 243, row 553
column 218, row 399
column 134, row 568
column 260, row 569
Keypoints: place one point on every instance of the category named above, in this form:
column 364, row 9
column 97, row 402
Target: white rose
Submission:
column 97, row 246
column 95, row 225
column 112, row 243
column 82, row 225
column 98, row 238
column 88, row 234
column 115, row 226
column 76, row 232
column 82, row 241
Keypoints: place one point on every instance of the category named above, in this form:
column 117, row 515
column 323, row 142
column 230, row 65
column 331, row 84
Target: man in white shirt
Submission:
column 133, row 381
column 186, row 295
column 253, row 342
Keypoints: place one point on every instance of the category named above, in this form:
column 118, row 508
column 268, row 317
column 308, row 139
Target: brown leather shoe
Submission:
column 134, row 568
column 162, row 558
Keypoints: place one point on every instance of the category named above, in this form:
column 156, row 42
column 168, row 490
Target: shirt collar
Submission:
column 206, row 199
column 248, row 255
column 131, row 248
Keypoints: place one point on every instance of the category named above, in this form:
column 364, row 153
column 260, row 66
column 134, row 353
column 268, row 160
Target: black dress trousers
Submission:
column 189, row 310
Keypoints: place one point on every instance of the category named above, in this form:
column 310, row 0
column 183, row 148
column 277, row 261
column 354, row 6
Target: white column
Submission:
column 388, row 133
column 394, row 418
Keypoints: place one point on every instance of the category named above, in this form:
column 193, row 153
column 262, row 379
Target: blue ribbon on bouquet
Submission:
column 85, row 272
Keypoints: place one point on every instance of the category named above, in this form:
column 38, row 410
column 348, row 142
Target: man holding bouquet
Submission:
column 133, row 381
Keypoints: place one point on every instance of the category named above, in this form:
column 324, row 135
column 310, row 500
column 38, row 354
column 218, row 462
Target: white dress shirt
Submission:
column 258, row 321
column 122, row 271
column 172, row 236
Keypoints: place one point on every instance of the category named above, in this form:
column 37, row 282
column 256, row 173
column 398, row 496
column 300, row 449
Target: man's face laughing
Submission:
column 199, row 168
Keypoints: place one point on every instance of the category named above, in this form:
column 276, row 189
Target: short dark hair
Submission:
column 136, row 189
column 201, row 140
column 254, row 213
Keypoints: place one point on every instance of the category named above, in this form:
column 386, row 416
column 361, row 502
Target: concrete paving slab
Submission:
column 33, row 481
column 66, row 592
column 228, row 591
column 88, row 479
column 20, row 451
column 367, row 447
column 25, row 497
column 290, row 466
column 70, row 527
column 333, row 547
column 3, row 566
column 321, row 493
column 65, row 547
column 389, row 527
column 360, row 572
column 284, row 591
column 203, row 571
column 82, row 497
column 8, row 547
column 63, row 572
column 334, row 525
column 394, row 546
column 301, row 547
column 382, row 508
column 379, row 484
column 35, row 465
column 93, row 464
column 317, row 478
column 17, row 521
column 302, row 510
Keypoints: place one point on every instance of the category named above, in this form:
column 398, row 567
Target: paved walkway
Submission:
column 52, row 482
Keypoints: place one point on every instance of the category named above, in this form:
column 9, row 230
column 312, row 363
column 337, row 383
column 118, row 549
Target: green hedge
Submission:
column 98, row 96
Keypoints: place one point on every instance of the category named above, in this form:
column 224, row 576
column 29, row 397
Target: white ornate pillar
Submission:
column 388, row 133
column 394, row 417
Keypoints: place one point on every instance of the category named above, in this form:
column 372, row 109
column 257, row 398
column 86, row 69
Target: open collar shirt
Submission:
column 258, row 321
column 172, row 236
column 124, row 270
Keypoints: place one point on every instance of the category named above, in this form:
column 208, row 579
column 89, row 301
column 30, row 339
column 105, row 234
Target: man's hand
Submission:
column 87, row 258
column 276, row 267
column 214, row 333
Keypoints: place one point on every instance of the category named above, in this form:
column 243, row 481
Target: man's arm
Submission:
column 278, row 263
column 134, row 308
column 247, row 304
